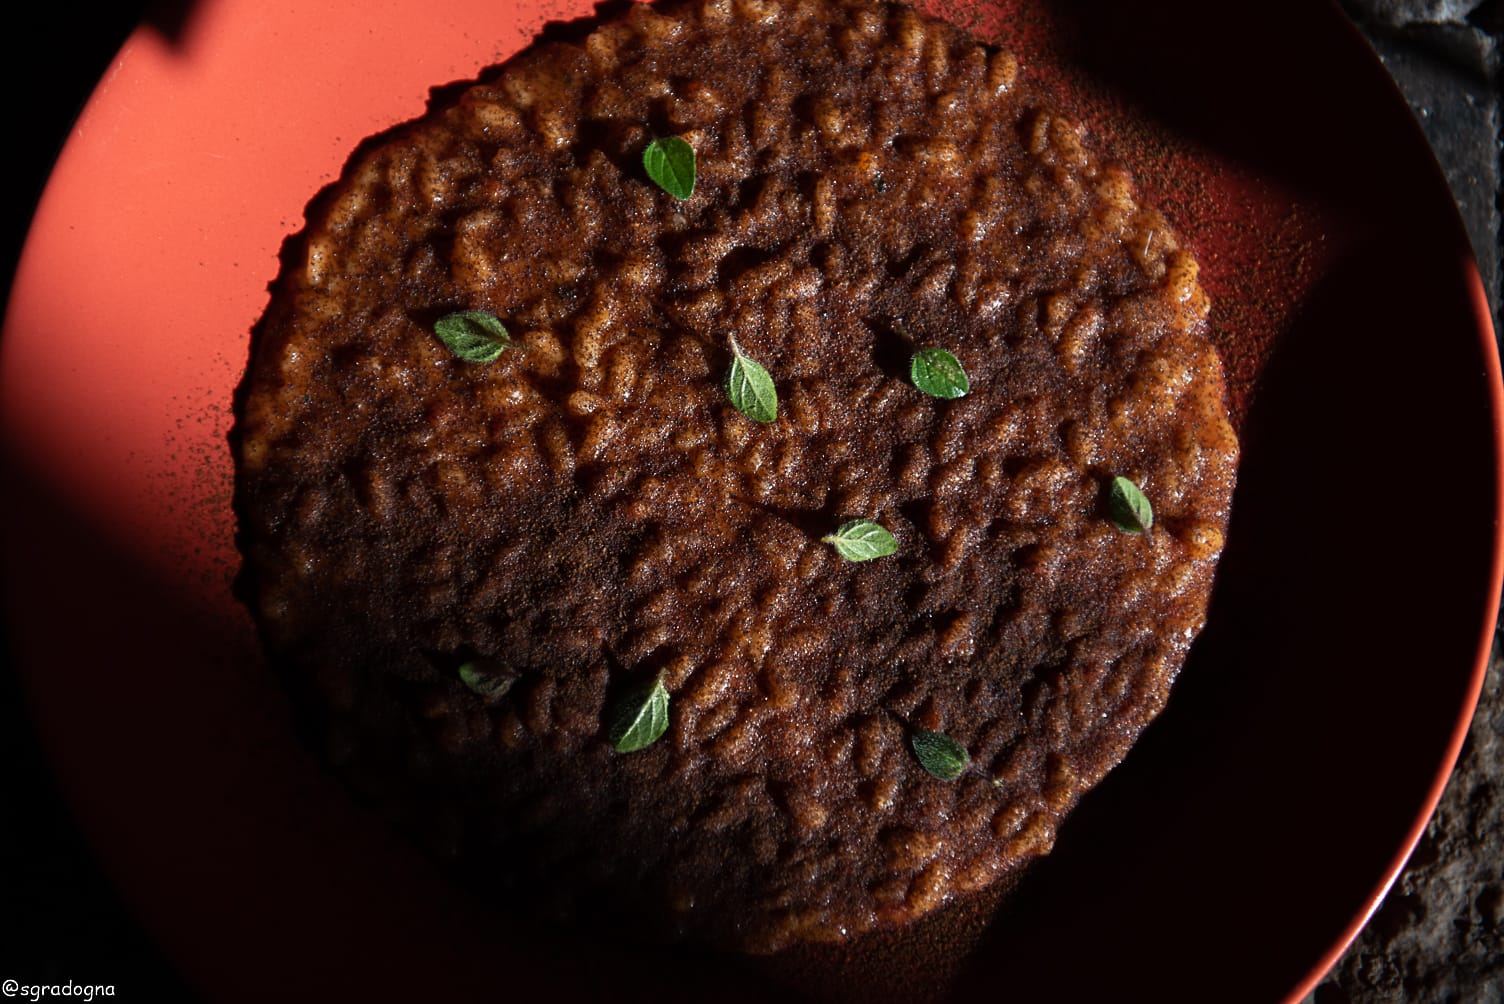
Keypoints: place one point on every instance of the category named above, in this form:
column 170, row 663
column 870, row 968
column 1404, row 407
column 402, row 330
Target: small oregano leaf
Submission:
column 939, row 754
column 1129, row 508
column 487, row 679
column 473, row 335
column 640, row 717
column 861, row 540
column 750, row 387
column 670, row 162
column 938, row 374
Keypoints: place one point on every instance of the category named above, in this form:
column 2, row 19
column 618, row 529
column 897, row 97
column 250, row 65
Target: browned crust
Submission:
column 592, row 511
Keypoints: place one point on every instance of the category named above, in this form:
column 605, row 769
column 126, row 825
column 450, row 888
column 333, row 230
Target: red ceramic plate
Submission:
column 1252, row 830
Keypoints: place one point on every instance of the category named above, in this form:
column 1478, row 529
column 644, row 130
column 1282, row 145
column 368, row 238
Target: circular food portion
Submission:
column 472, row 573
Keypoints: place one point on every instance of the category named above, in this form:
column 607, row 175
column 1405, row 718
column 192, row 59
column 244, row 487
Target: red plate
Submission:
column 1252, row 830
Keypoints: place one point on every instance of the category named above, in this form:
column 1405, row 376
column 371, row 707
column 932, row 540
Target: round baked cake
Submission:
column 471, row 570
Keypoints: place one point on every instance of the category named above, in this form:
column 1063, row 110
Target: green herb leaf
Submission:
column 640, row 717
column 670, row 162
column 939, row 754
column 861, row 540
column 473, row 335
column 1129, row 509
column 488, row 679
column 938, row 374
column 750, row 388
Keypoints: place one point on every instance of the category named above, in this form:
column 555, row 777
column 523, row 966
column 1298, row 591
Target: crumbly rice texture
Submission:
column 589, row 512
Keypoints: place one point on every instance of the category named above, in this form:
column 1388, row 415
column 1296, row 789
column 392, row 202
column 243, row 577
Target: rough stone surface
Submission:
column 1439, row 934
column 1403, row 12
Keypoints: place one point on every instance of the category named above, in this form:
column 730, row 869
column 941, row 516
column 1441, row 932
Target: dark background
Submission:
column 60, row 920
column 1439, row 936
